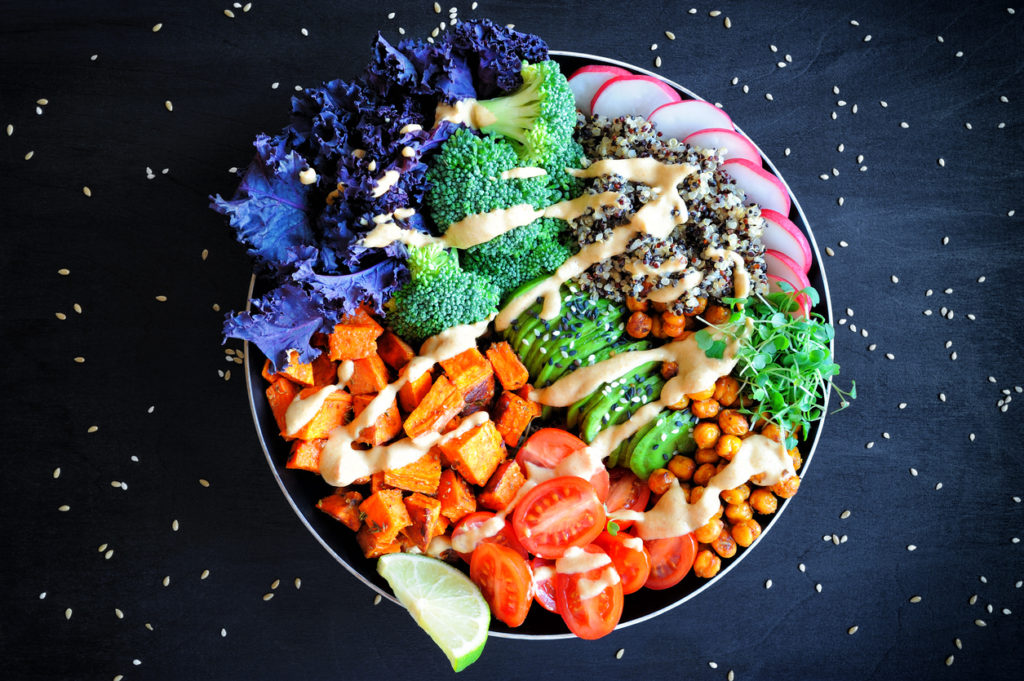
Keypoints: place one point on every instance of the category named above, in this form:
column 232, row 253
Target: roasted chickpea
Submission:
column 661, row 479
column 727, row 446
column 740, row 511
column 707, row 564
column 683, row 403
column 787, row 487
column 707, row 533
column 798, row 458
column 636, row 305
column 746, row 531
column 705, row 409
column 703, row 456
column 736, row 495
column 727, row 389
column 703, row 394
column 704, row 473
column 733, row 422
column 702, row 304
column 673, row 330
column 763, row 501
column 716, row 314
column 772, row 432
column 682, row 466
column 657, row 328
column 673, row 319
column 639, row 325
column 706, row 434
column 669, row 370
column 724, row 545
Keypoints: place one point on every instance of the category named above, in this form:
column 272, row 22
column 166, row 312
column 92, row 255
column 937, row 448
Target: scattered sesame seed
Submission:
column 913, row 471
column 29, row 155
column 92, row 429
column 890, row 356
column 840, row 201
column 843, row 244
column 86, row 191
column 149, row 626
column 118, row 613
column 844, row 515
column 714, row 13
column 672, row 36
column 872, row 347
column 42, row 595
column 654, row 46
column 136, row 662
column 10, row 129
column 904, row 125
column 619, row 653
column 829, row 251
column 727, row 22
column 205, row 574
column 204, row 482
column 377, row 599
column 817, row 587
column 157, row 27
column 980, row 623
column 968, row 126
column 274, row 584
column 949, row 661
column 915, row 599
column 246, row 7
column 903, row 405
column 768, row 584
column 852, row 630
column 895, row 279
column 304, row 32
column 229, row 14
column 801, row 567
column 746, row 88
column 942, row 397
column 168, row 105
column 657, row 62
column 174, row 525
column 267, row 596
column 109, row 554
column 769, row 97
column 437, row 8
column 867, row 38
column 835, row 539
column 298, row 583
column 80, row 360
column 223, row 633
column 869, row 445
column 67, row 614
column 972, row 600
column 911, row 547
column 713, row 665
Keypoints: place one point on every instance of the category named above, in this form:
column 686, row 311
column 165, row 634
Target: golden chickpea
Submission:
column 787, row 487
column 705, row 409
column 740, row 511
column 673, row 330
column 702, row 304
column 736, row 495
column 798, row 458
column 636, row 305
column 703, row 394
column 728, row 446
column 746, row 531
column 706, row 434
column 772, row 432
column 639, row 325
column 733, row 422
column 707, row 533
column 763, row 501
column 673, row 319
column 682, row 466
column 669, row 370
column 695, row 495
column 657, row 328
column 716, row 314
column 703, row 456
column 704, row 473
column 727, row 389
column 661, row 479
column 707, row 564
column 683, row 403
column 724, row 545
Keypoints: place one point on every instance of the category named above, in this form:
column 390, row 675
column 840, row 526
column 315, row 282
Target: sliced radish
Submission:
column 679, row 120
column 632, row 96
column 785, row 237
column 802, row 299
column 781, row 266
column 734, row 144
column 761, row 187
column 587, row 80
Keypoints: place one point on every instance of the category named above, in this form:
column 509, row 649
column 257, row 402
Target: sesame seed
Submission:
column 911, row 547
column 654, row 46
column 229, row 14
column 972, row 600
column 80, row 360
column 904, row 125
column 657, row 62
column 817, row 587
column 746, row 88
column 377, row 599
column 67, row 614
column 895, row 279
column 672, row 36
column 981, row 279
column 223, row 633
column 945, row 240
column 713, row 665
column 204, row 482
column 391, row 15
column 843, row 244
column 835, row 539
column 267, row 596
column 903, row 405
column 86, row 191
column 298, row 583
column 92, row 429
column 304, row 31
column 10, row 129
column 844, row 515
column 29, row 155
column 913, row 471
column 852, row 630
column 619, row 653
column 769, row 97
column 167, row 581
column 118, row 613
column 168, row 105
column 867, row 38
column 161, row 299
column 727, row 22
column 64, row 508
column 854, row 22
column 949, row 661
column 829, row 251
column 246, row 7
column 980, row 623
column 968, row 126
column 109, row 554
column 915, row 599
column 872, row 347
column 768, row 584
column 136, row 662
column 869, row 445
column 149, row 626
column 692, row 10
column 890, row 356
column 205, row 574
column 157, row 27
column 801, row 567
column 942, row 397
column 958, row 643
column 991, row 379
column 437, row 8
column 174, row 525
column 840, row 201
column 274, row 584
column 714, row 13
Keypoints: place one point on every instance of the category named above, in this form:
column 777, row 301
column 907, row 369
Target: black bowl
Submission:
column 303, row 489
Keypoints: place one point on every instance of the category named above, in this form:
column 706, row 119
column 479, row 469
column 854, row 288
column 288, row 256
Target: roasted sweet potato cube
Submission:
column 503, row 486
column 395, row 352
column 305, row 455
column 267, row 374
column 355, row 337
column 512, row 415
column 525, row 391
column 384, row 514
column 453, row 424
column 343, row 506
column 476, row 453
column 333, row 413
column 507, row 366
column 412, row 392
column 422, row 475
column 373, row 546
column 479, row 396
column 280, row 394
column 300, row 372
column 377, row 482
column 369, row 375
column 325, row 371
column 467, row 369
column 387, row 426
column 427, row 521
column 441, row 403
column 456, row 497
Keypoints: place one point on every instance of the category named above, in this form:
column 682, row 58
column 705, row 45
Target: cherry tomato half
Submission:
column 544, row 583
column 558, row 514
column 505, row 536
column 627, row 492
column 548, row 446
column 671, row 559
column 629, row 557
column 505, row 580
column 590, row 615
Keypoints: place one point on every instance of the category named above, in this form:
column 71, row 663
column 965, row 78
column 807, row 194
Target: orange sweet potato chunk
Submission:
column 503, row 486
column 427, row 521
column 422, row 475
column 441, row 403
column 343, row 506
column 456, row 496
column 393, row 350
column 479, row 397
column 476, row 453
column 305, row 455
column 300, row 372
column 388, row 425
column 355, row 337
column 412, row 392
column 512, row 414
column 467, row 369
column 369, row 375
column 325, row 371
column 333, row 413
column 384, row 515
column 507, row 366
column 280, row 394
column 373, row 546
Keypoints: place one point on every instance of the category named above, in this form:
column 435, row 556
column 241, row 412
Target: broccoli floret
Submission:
column 521, row 254
column 465, row 178
column 561, row 184
column 439, row 295
column 539, row 117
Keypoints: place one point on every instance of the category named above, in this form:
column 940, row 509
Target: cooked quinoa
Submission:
column 716, row 218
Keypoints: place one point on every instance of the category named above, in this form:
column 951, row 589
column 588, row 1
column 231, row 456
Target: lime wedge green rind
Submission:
column 443, row 601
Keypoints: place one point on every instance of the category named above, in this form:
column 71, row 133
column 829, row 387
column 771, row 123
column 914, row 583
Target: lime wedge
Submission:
column 443, row 601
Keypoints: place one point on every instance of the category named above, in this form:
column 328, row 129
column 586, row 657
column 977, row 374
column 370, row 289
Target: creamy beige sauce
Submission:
column 465, row 111
column 301, row 411
column 740, row 276
column 625, row 514
column 438, row 546
column 588, row 588
column 404, row 213
column 307, row 176
column 482, row 227
column 385, row 182
column 633, row 543
column 408, row 152
column 386, row 233
column 543, row 573
column 522, row 173
column 577, row 560
column 467, row 540
column 662, row 269
column 345, row 371
column 410, row 127
column 667, row 294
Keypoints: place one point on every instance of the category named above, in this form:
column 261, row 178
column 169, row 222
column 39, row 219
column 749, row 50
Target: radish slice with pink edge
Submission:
column 734, row 144
column 801, row 299
column 679, row 120
column 632, row 96
column 587, row 80
column 782, row 266
column 761, row 187
column 782, row 235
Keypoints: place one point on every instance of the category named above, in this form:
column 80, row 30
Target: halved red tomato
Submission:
column 629, row 557
column 588, row 613
column 627, row 492
column 544, row 583
column 505, row 536
column 505, row 580
column 548, row 446
column 558, row 514
column 671, row 559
